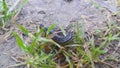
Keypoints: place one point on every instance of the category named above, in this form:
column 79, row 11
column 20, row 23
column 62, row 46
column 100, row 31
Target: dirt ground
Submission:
column 61, row 12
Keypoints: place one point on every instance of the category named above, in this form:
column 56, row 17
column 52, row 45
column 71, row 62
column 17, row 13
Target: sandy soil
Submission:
column 61, row 12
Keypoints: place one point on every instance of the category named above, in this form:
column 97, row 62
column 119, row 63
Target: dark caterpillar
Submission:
column 63, row 39
column 59, row 37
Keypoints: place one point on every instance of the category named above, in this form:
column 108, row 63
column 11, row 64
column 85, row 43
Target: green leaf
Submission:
column 44, row 57
column 20, row 42
column 23, row 29
column 63, row 31
column 79, row 30
column 68, row 60
column 49, row 29
column 38, row 34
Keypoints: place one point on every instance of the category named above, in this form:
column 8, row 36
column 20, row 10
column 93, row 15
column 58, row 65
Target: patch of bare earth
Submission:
column 63, row 12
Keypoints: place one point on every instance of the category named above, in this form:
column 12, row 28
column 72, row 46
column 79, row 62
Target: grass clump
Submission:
column 43, row 52
column 7, row 12
column 36, row 50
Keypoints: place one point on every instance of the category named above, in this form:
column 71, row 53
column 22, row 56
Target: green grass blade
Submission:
column 79, row 34
column 49, row 29
column 5, row 9
column 63, row 31
column 20, row 42
column 4, row 4
column 44, row 57
column 68, row 59
column 82, row 30
column 23, row 29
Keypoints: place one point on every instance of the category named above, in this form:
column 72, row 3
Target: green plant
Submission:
column 6, row 13
column 80, row 53
column 37, row 56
